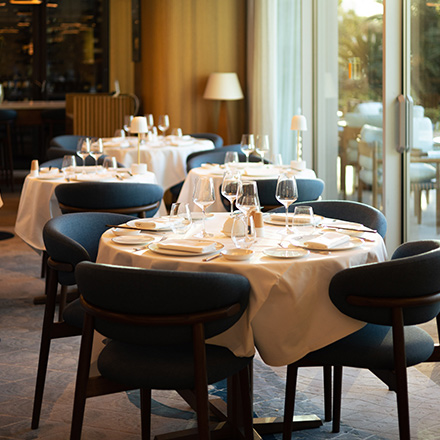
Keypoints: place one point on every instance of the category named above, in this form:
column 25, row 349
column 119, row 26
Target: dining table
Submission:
column 38, row 202
column 289, row 314
column 247, row 170
column 164, row 156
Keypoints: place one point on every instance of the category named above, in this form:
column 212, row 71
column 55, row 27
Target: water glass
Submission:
column 180, row 218
column 177, row 132
column 68, row 166
column 110, row 163
column 243, row 232
column 303, row 221
column 231, row 158
column 247, row 197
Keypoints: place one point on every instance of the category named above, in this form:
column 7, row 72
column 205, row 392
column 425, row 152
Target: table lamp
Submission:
column 139, row 125
column 223, row 86
column 299, row 123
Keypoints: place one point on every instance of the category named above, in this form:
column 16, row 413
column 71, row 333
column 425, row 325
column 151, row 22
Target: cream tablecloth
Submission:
column 254, row 172
column 290, row 313
column 166, row 159
column 38, row 204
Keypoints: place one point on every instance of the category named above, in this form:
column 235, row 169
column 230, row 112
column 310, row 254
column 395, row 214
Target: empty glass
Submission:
column 177, row 132
column 247, row 145
column 150, row 121
column 303, row 221
column 110, row 163
column 127, row 123
column 96, row 150
column 180, row 218
column 83, row 150
column 262, row 145
column 68, row 166
column 231, row 158
column 163, row 124
column 243, row 231
column 229, row 188
column 247, row 197
column 286, row 193
column 204, row 196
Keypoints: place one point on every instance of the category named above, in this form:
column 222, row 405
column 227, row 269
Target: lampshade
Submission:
column 299, row 122
column 139, row 125
column 223, row 87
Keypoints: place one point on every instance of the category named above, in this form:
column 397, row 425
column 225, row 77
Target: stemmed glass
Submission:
column 247, row 145
column 204, row 196
column 83, row 150
column 127, row 123
column 150, row 121
column 262, row 145
column 286, row 193
column 163, row 124
column 247, row 197
column 96, row 150
column 229, row 188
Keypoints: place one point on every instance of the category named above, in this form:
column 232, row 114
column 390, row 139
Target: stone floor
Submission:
column 368, row 412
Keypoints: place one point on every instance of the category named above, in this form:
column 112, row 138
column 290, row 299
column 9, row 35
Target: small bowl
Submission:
column 123, row 231
column 237, row 254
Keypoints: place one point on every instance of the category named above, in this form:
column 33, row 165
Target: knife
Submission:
column 348, row 228
column 212, row 257
column 130, row 227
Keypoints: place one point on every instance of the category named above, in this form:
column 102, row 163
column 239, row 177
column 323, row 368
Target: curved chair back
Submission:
column 73, row 238
column 413, row 272
column 215, row 138
column 123, row 198
column 347, row 210
column 160, row 293
column 58, row 162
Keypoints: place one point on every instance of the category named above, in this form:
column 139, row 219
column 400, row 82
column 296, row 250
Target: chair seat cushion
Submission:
column 169, row 367
column 74, row 314
column 372, row 347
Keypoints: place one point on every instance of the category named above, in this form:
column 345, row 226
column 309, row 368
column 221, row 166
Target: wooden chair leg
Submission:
column 289, row 400
column 337, row 397
column 48, row 320
column 327, row 375
column 245, row 391
column 145, row 413
column 44, row 258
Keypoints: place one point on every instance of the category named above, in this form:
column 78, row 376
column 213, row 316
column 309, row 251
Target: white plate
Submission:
column 133, row 239
column 237, row 254
column 153, row 247
column 122, row 231
column 353, row 243
column 282, row 222
column 50, row 176
column 132, row 223
column 286, row 253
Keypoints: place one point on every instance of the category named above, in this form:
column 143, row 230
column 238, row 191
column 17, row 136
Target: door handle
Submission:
column 406, row 121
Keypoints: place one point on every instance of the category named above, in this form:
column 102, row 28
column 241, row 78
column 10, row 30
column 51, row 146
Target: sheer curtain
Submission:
column 274, row 71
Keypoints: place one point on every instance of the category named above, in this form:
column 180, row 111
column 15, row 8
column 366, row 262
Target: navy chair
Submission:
column 308, row 189
column 68, row 239
column 216, row 139
column 392, row 297
column 63, row 145
column 142, row 199
column 346, row 210
column 57, row 162
column 157, row 322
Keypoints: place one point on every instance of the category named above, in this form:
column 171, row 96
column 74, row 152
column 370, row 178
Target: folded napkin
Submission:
column 156, row 223
column 344, row 225
column 195, row 246
column 329, row 240
column 260, row 172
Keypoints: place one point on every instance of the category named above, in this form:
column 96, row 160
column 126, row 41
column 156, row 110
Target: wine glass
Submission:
column 286, row 193
column 163, row 124
column 150, row 121
column 127, row 123
column 247, row 197
column 231, row 157
column 262, row 145
column 96, row 150
column 204, row 196
column 243, row 232
column 180, row 218
column 83, row 150
column 247, row 145
column 229, row 188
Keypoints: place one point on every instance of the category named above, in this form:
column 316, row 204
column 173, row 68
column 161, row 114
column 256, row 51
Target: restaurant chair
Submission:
column 155, row 323
column 68, row 239
column 392, row 297
column 7, row 123
column 63, row 145
column 142, row 199
column 216, row 139
column 58, row 162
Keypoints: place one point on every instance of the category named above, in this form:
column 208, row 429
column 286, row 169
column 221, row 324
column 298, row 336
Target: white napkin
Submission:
column 156, row 223
column 195, row 246
column 345, row 224
column 328, row 240
column 260, row 172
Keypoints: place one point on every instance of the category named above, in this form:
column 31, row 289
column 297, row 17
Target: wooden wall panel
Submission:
column 183, row 41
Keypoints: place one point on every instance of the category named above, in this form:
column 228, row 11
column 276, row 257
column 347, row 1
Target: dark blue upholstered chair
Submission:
column 68, row 239
column 142, row 199
column 346, row 210
column 216, row 139
column 59, row 146
column 57, row 162
column 308, row 189
column 392, row 297
column 157, row 322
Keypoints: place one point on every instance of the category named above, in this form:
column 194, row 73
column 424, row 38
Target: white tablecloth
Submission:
column 216, row 172
column 167, row 162
column 290, row 313
column 38, row 204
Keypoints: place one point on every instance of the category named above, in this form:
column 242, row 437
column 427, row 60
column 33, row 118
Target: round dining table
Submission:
column 38, row 202
column 250, row 171
column 290, row 313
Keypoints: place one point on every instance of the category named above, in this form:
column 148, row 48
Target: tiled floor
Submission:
column 369, row 409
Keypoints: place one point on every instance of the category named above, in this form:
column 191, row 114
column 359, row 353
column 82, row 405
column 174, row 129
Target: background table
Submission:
column 289, row 313
column 38, row 204
column 216, row 172
column 167, row 162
